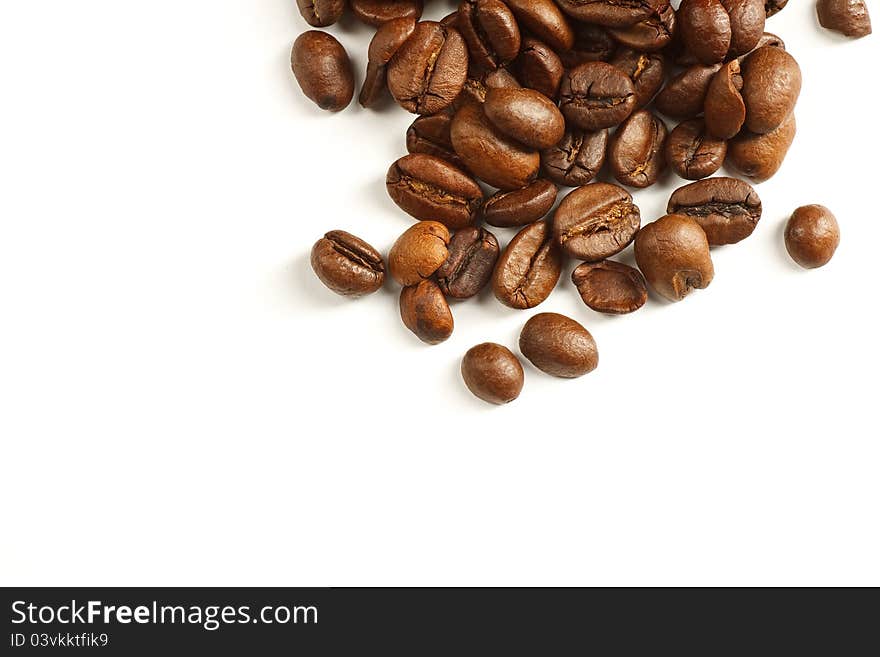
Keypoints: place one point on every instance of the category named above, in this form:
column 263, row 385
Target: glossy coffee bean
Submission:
column 611, row 13
column 725, row 109
column 529, row 267
column 492, row 373
column 727, row 209
column 544, row 21
column 526, row 115
column 379, row 12
column 673, row 254
column 576, row 159
column 747, row 19
column 771, row 85
column 759, row 157
column 812, row 236
column 425, row 312
column 596, row 221
column 538, row 67
column 646, row 70
column 490, row 31
column 637, row 154
column 692, row 152
column 428, row 188
column 387, row 41
column 704, row 26
column 429, row 135
column 419, row 252
column 520, row 206
column 649, row 34
column 772, row 7
column 849, row 17
column 610, row 287
column 347, row 265
column 323, row 70
column 321, row 13
column 476, row 86
column 596, row 95
column 685, row 95
column 473, row 253
column 591, row 44
column 558, row 345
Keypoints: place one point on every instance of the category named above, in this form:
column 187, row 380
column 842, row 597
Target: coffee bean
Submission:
column 429, row 188
column 692, row 152
column 596, row 95
column 525, row 115
column 419, row 252
column 490, row 31
column 673, row 254
column 323, row 70
column 767, row 39
column 576, row 159
column 387, row 41
column 591, row 44
column 429, row 135
column 725, row 109
column 812, row 236
column 529, row 267
column 727, row 209
column 849, row 17
column 321, row 13
column 747, row 19
column 558, row 345
column 758, row 157
column 685, row 95
column 379, row 12
column 477, row 86
column 347, row 265
column 704, row 26
column 450, row 20
column 428, row 71
column 611, row 13
column 425, row 312
column 543, row 19
column 596, row 221
column 473, row 253
column 637, row 153
column 610, row 287
column 772, row 7
column 520, row 206
column 538, row 67
column 771, row 85
column 649, row 34
column 646, row 70
column 492, row 373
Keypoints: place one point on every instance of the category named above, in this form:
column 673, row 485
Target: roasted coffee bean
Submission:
column 758, row 157
column 704, row 26
column 771, row 85
column 611, row 13
column 425, row 312
column 812, row 236
column 596, row 221
column 543, row 19
column 849, row 17
column 492, row 373
column 727, row 209
column 520, row 206
column 772, row 7
column 384, row 44
column 429, row 188
column 692, row 152
column 637, row 154
column 491, row 155
column 473, row 253
column 529, row 267
column 685, row 95
column 596, row 95
column 768, row 39
column 490, row 31
column 747, row 19
column 591, row 44
column 419, row 252
column 610, row 287
column 347, row 265
column 428, row 71
column 538, row 67
column 558, row 345
column 725, row 109
column 477, row 86
column 646, row 70
column 379, row 12
column 576, row 159
column 525, row 115
column 430, row 135
column 323, row 70
column 321, row 13
column 673, row 254
column 649, row 34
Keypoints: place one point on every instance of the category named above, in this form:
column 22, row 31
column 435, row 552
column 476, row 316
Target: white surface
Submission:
column 184, row 403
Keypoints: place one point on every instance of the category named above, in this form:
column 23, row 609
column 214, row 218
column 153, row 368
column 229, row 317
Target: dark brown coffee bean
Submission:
column 347, row 265
column 637, row 154
column 692, row 152
column 725, row 109
column 379, row 12
column 610, row 287
column 430, row 135
column 477, row 86
column 428, row 188
column 704, row 26
column 491, row 155
column 772, row 7
column 450, row 20
column 747, row 19
column 812, row 236
column 490, row 31
column 576, row 159
column 771, row 85
column 758, row 157
column 673, row 254
column 425, row 312
column 849, row 17
column 384, row 44
column 558, row 345
column 492, row 373
column 611, row 13
column 591, row 44
column 727, row 209
column 473, row 253
column 525, row 115
column 646, row 70
column 520, row 206
column 428, row 71
column 685, row 95
column 529, row 267
column 649, row 34
column 596, row 221
column 538, row 67
column 596, row 95
column 419, row 252
column 323, row 70
column 543, row 19
column 321, row 13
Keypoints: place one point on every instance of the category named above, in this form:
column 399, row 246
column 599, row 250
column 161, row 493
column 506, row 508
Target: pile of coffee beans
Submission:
column 517, row 97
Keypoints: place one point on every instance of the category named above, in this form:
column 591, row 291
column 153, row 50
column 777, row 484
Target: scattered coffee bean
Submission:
column 649, row 34
column 347, row 265
column 492, row 373
column 321, row 13
column 771, row 85
column 529, row 267
column 727, row 209
column 558, row 345
column 543, row 19
column 849, row 17
column 759, row 157
column 692, row 152
column 637, row 153
column 596, row 221
column 473, row 253
column 576, row 159
column 725, row 109
column 704, row 26
column 385, row 43
column 520, row 206
column 685, row 95
column 525, row 115
column 419, row 252
column 596, row 95
column 673, row 254
column 323, row 70
column 425, row 312
column 490, row 31
column 812, row 236
column 379, row 12
column 610, row 287
column 429, row 135
column 646, row 70
column 538, row 67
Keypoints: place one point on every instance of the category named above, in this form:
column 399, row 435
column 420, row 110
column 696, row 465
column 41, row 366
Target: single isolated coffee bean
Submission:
column 384, row 44
column 725, row 109
column 591, row 44
column 646, row 70
column 419, row 252
column 321, row 13
column 323, row 70
column 637, row 153
column 492, row 373
column 576, row 159
column 812, row 236
column 692, row 152
column 747, row 18
column 379, row 12
column 704, row 26
column 429, row 135
column 649, row 34
column 558, row 345
column 490, row 31
column 611, row 13
column 473, row 253
column 849, row 17
column 596, row 95
column 425, row 312
column 538, row 67
column 347, row 265
column 525, row 115
column 529, row 268
column 771, row 86
column 673, row 254
column 596, row 221
column 610, row 287
column 428, row 188
column 759, row 157
column 520, row 206
column 772, row 7
column 543, row 19
column 727, row 209
column 685, row 95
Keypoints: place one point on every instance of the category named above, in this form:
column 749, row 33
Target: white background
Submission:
column 182, row 402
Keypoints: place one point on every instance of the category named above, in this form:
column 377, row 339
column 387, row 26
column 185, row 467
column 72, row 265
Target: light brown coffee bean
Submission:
column 771, row 86
column 323, row 70
column 492, row 373
column 529, row 267
column 610, row 287
column 419, row 252
column 759, row 157
column 596, row 221
column 525, row 115
column 812, row 236
column 347, row 265
column 725, row 109
column 425, row 312
column 543, row 19
column 849, row 17
column 558, row 345
column 321, row 13
column 673, row 254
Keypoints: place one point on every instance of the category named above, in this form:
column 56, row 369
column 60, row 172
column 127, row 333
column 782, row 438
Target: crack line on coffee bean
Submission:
column 604, row 223
column 718, row 207
column 432, row 193
column 359, row 258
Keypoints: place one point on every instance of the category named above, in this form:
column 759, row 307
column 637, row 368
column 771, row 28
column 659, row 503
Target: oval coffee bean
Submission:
column 419, row 252
column 429, row 135
column 693, row 153
column 727, row 209
column 725, row 109
column 428, row 188
column 473, row 253
column 525, row 115
column 637, row 153
column 684, row 96
column 610, row 287
column 539, row 68
column 758, row 157
column 323, row 70
column 673, row 254
column 379, row 12
column 747, row 18
column 321, row 13
column 812, row 236
column 646, row 70
column 704, row 26
column 558, row 345
column 347, row 265
column 774, row 6
column 596, row 221
column 492, row 373
column 849, row 17
column 649, row 34
column 490, row 31
column 384, row 44
column 543, row 19
column 520, row 206
column 591, row 44
column 425, row 312
column 576, row 159
column 529, row 267
column 771, row 85
column 596, row 95
column 611, row 13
